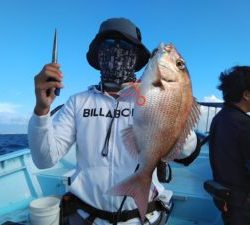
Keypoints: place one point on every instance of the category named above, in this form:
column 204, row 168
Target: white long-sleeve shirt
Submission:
column 85, row 120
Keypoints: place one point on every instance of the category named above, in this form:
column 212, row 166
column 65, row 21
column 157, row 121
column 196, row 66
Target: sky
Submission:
column 211, row 35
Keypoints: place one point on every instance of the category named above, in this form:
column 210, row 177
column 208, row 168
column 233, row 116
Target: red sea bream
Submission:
column 162, row 120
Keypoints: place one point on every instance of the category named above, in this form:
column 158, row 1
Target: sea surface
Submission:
column 12, row 142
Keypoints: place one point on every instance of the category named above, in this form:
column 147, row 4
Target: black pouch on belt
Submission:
column 68, row 206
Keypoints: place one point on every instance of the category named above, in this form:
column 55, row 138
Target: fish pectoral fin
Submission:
column 129, row 141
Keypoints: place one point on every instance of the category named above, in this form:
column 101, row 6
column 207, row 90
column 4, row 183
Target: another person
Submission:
column 93, row 119
column 229, row 145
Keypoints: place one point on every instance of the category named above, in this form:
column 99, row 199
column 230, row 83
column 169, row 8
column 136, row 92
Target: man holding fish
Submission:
column 123, row 128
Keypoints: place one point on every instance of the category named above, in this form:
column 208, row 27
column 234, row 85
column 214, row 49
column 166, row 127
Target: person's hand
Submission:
column 46, row 82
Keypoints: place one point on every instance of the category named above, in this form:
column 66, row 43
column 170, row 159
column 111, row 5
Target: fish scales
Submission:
column 156, row 120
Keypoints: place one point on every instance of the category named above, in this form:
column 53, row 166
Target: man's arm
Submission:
column 50, row 141
column 244, row 143
column 46, row 82
column 192, row 148
column 189, row 153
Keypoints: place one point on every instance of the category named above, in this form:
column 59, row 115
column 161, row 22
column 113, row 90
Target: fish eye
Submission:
column 180, row 64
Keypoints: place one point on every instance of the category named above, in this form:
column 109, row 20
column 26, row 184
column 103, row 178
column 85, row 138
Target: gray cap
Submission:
column 118, row 28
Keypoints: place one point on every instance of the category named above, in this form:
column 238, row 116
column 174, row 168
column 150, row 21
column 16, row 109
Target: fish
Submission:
column 165, row 112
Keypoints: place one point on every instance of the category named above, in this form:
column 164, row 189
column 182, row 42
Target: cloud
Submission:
column 207, row 114
column 212, row 98
column 11, row 116
column 6, row 107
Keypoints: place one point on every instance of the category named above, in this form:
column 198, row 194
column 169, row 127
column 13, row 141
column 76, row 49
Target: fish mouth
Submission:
column 168, row 80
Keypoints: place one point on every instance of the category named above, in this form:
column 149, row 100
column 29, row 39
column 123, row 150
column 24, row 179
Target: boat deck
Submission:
column 18, row 216
column 177, row 221
column 192, row 205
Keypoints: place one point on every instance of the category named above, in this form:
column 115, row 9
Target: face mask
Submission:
column 117, row 60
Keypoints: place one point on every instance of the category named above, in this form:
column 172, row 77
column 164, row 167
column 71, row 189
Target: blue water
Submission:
column 12, row 142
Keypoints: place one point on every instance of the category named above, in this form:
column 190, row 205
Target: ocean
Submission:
column 12, row 142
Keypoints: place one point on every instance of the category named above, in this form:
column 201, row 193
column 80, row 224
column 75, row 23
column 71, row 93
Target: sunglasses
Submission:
column 117, row 42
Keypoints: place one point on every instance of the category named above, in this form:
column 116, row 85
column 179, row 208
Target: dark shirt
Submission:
column 229, row 148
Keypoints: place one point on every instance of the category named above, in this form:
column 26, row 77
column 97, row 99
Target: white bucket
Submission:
column 45, row 211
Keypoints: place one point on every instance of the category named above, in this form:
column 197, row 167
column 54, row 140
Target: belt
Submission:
column 70, row 203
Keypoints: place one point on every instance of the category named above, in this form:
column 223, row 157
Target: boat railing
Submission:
column 208, row 111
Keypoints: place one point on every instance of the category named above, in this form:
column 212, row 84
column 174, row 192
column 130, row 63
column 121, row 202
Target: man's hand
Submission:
column 45, row 84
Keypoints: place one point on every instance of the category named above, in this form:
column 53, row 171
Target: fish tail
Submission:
column 136, row 186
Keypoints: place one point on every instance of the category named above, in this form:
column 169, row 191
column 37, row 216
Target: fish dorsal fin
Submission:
column 129, row 141
column 189, row 126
